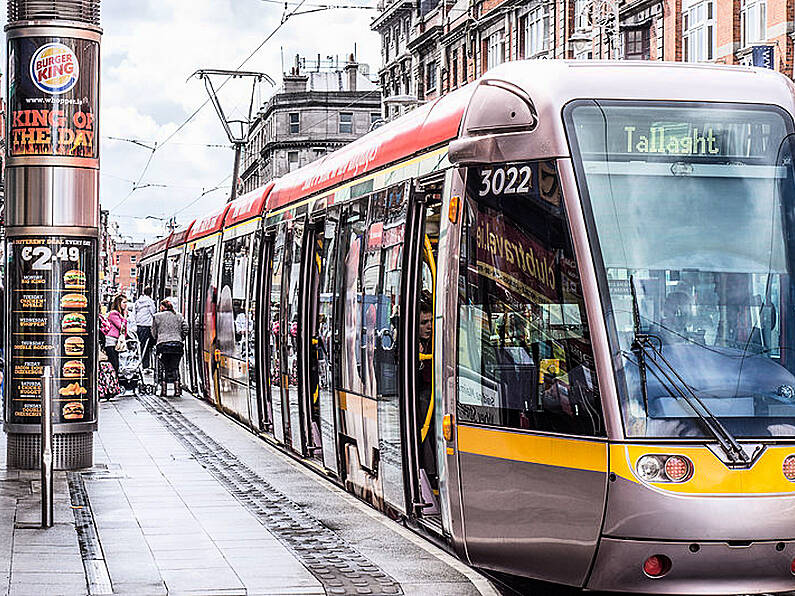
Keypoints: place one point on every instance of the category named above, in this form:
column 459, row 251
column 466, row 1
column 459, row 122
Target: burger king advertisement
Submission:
column 53, row 97
column 52, row 324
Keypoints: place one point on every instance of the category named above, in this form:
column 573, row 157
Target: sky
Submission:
column 150, row 49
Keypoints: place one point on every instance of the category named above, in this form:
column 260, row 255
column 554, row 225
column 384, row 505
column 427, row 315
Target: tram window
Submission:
column 233, row 323
column 274, row 308
column 524, row 353
column 353, row 237
column 253, row 286
column 382, row 274
column 292, row 272
column 372, row 247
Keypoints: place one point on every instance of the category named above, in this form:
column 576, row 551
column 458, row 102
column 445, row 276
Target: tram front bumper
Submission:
column 697, row 567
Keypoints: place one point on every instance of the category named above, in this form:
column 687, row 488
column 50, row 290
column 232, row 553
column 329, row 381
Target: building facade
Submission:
column 125, row 259
column 314, row 113
column 432, row 47
column 107, row 250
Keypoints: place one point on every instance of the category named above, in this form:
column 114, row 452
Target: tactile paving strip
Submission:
column 335, row 563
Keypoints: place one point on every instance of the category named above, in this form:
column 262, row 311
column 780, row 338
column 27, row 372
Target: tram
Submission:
column 547, row 318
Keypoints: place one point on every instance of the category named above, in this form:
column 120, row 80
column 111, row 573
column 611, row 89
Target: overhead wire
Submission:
column 157, row 146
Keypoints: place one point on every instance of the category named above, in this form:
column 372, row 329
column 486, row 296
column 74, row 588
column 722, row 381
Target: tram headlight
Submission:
column 789, row 468
column 666, row 468
column 650, row 468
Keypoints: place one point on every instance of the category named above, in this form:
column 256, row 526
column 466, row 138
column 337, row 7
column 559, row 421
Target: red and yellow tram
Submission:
column 546, row 318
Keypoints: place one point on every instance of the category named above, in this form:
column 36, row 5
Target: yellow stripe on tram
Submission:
column 581, row 454
column 710, row 475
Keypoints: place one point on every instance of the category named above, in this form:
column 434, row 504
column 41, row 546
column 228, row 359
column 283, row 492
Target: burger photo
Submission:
column 73, row 323
column 74, row 346
column 73, row 410
column 74, row 279
column 74, row 369
column 74, row 301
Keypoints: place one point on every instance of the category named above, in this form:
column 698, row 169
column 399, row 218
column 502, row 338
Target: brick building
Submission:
column 125, row 270
column 431, row 47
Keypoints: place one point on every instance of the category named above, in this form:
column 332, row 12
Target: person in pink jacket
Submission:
column 117, row 321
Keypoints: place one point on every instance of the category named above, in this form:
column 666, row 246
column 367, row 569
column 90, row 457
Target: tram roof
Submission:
column 248, row 206
column 209, row 224
column 156, row 247
column 553, row 83
column 420, row 129
column 178, row 237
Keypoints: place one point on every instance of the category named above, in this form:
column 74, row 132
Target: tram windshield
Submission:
column 693, row 214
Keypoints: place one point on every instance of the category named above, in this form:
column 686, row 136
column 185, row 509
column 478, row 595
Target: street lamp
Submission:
column 597, row 13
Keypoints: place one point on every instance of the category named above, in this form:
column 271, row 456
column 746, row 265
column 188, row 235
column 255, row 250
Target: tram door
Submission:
column 291, row 333
column 200, row 301
column 418, row 353
column 276, row 333
column 318, row 410
column 257, row 374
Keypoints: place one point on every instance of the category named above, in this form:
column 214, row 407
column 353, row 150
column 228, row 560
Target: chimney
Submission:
column 295, row 82
column 351, row 70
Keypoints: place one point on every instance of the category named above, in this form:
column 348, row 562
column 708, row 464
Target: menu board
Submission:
column 52, row 322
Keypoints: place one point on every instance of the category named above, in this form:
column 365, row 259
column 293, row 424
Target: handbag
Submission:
column 121, row 343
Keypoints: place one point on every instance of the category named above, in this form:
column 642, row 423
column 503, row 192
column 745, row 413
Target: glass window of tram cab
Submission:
column 692, row 206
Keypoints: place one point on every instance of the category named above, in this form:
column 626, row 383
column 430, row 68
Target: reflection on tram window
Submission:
column 524, row 354
column 694, row 212
column 233, row 326
column 372, row 258
column 353, row 237
column 251, row 336
column 274, row 307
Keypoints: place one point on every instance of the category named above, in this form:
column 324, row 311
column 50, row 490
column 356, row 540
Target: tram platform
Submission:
column 182, row 500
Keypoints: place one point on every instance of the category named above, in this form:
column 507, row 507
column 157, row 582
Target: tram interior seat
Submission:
column 516, row 374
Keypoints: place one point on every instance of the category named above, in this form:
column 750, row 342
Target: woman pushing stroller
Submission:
column 169, row 330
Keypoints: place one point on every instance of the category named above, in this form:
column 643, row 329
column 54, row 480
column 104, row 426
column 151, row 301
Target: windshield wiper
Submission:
column 643, row 345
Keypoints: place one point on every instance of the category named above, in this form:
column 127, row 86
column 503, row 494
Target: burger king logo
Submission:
column 54, row 68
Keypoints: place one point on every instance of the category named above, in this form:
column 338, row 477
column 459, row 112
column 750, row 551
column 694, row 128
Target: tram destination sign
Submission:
column 52, row 324
column 53, row 99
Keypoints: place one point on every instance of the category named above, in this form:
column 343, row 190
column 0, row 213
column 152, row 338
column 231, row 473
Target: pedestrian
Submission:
column 116, row 334
column 169, row 295
column 145, row 310
column 169, row 330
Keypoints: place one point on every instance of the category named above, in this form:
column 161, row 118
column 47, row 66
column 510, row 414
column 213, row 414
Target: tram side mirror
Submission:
column 497, row 108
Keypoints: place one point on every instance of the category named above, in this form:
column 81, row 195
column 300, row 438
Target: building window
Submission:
column 637, row 44
column 292, row 160
column 133, row 258
column 430, row 76
column 698, row 31
column 753, row 21
column 454, row 69
column 495, row 50
column 132, row 271
column 386, row 46
column 581, row 15
column 295, row 123
column 374, row 117
column 346, row 123
column 533, row 32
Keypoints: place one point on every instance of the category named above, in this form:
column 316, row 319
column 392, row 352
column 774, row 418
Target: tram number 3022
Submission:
column 505, row 181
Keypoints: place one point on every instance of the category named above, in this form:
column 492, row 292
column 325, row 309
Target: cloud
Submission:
column 149, row 49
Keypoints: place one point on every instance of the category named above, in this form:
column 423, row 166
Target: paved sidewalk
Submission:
column 182, row 500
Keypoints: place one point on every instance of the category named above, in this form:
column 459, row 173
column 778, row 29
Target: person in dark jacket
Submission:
column 169, row 330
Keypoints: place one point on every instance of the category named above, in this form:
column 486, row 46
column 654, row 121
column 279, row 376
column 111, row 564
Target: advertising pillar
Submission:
column 52, row 211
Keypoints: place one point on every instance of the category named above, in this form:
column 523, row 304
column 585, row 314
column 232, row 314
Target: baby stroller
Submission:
column 131, row 372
